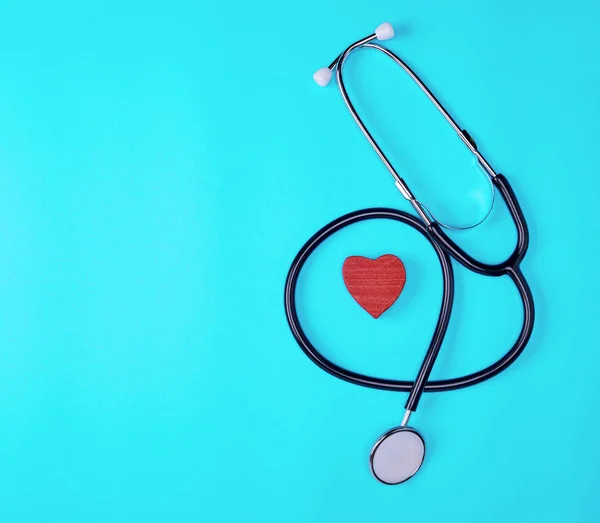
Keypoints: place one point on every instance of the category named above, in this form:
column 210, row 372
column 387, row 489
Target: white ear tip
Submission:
column 384, row 31
column 322, row 76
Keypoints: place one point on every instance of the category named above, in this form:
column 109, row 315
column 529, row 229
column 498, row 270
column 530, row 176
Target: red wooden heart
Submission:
column 374, row 284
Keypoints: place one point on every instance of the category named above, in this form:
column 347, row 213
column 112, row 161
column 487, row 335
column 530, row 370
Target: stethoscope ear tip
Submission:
column 384, row 31
column 323, row 76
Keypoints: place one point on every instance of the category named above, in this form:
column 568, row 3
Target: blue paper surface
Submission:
column 160, row 165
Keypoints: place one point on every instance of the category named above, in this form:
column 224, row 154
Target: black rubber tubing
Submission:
column 444, row 248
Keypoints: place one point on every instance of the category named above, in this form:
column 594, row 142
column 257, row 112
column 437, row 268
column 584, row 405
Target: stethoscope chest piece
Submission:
column 397, row 455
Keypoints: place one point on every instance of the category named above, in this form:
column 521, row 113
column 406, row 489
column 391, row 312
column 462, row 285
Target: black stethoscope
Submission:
column 399, row 453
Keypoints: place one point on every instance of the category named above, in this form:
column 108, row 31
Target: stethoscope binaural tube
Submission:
column 384, row 32
column 399, row 453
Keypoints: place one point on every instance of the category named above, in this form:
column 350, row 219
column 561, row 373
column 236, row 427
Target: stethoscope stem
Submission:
column 406, row 418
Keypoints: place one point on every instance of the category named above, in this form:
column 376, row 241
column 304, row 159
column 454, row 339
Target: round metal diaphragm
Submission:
column 397, row 455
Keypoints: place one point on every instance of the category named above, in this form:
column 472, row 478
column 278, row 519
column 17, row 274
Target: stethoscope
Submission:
column 399, row 453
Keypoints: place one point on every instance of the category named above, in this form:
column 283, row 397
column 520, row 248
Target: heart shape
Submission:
column 374, row 284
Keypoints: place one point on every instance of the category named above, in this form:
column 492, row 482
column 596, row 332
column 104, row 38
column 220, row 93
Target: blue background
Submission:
column 160, row 165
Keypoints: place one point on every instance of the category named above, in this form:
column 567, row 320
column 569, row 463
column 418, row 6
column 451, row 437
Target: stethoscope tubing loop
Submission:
column 444, row 385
